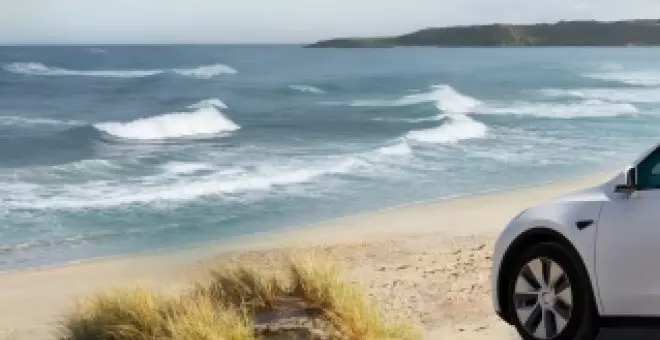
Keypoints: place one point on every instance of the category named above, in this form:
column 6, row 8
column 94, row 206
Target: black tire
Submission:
column 582, row 323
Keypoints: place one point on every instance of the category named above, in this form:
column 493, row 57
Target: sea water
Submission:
column 106, row 150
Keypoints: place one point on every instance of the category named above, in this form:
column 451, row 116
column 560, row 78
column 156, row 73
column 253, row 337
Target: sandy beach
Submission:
column 428, row 262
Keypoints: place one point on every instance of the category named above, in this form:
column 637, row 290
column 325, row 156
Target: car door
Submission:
column 628, row 246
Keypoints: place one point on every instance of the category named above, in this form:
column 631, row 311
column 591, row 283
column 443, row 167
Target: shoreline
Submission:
column 370, row 246
column 227, row 243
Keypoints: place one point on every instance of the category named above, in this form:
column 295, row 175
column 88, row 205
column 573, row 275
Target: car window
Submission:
column 648, row 172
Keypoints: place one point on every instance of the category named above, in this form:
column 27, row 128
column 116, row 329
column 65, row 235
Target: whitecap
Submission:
column 401, row 148
column 212, row 102
column 444, row 96
column 307, row 89
column 453, row 108
column 636, row 78
column 166, row 188
column 38, row 69
column 206, row 72
column 185, row 168
column 457, row 127
column 626, row 95
column 201, row 122
column 32, row 121
column 586, row 108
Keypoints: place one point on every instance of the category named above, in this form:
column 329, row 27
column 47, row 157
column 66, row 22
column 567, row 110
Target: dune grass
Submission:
column 320, row 285
column 200, row 318
column 227, row 305
column 244, row 287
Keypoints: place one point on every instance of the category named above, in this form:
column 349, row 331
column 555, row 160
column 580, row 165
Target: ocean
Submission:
column 107, row 150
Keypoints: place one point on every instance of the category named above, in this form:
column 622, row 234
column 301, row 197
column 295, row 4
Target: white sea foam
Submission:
column 585, row 108
column 455, row 128
column 401, row 148
column 201, row 122
column 307, row 89
column 39, row 69
column 32, row 121
column 445, row 97
column 206, row 72
column 409, row 120
column 212, row 102
column 637, row 78
column 165, row 188
column 179, row 168
column 180, row 182
column 625, row 95
column 454, row 108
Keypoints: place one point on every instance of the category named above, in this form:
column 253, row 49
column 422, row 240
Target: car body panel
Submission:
column 628, row 249
column 559, row 215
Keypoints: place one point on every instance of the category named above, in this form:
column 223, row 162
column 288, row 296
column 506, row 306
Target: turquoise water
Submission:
column 108, row 149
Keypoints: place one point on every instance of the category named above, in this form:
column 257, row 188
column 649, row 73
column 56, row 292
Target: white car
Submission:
column 566, row 267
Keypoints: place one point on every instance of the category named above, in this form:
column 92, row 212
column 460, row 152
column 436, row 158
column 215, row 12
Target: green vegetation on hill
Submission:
column 563, row 33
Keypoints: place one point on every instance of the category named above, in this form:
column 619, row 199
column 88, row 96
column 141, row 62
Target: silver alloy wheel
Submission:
column 543, row 298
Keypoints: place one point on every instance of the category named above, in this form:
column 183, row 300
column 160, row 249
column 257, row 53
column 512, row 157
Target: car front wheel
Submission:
column 550, row 297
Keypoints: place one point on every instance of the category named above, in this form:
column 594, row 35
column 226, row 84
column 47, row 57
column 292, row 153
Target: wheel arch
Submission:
column 519, row 245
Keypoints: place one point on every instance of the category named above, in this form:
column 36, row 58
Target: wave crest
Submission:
column 626, row 95
column 445, row 97
column 636, row 78
column 35, row 121
column 39, row 69
column 206, row 72
column 307, row 89
column 212, row 102
column 456, row 127
column 206, row 121
column 454, row 108
column 586, row 108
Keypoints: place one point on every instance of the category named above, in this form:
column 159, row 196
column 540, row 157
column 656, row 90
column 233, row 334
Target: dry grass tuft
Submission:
column 134, row 313
column 141, row 314
column 200, row 319
column 319, row 284
column 225, row 309
column 243, row 287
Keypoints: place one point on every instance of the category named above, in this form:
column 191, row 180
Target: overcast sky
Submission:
column 277, row 21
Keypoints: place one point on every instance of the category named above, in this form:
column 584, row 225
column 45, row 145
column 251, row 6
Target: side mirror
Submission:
column 631, row 182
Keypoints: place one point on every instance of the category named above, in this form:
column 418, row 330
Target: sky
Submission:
column 278, row 21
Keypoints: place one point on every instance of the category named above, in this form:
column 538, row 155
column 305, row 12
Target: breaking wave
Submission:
column 456, row 127
column 445, row 97
column 39, row 69
column 453, row 108
column 205, row 121
column 206, row 72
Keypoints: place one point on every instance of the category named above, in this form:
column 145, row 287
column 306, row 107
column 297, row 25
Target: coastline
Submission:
column 31, row 300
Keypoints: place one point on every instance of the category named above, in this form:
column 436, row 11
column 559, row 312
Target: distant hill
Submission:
column 563, row 33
